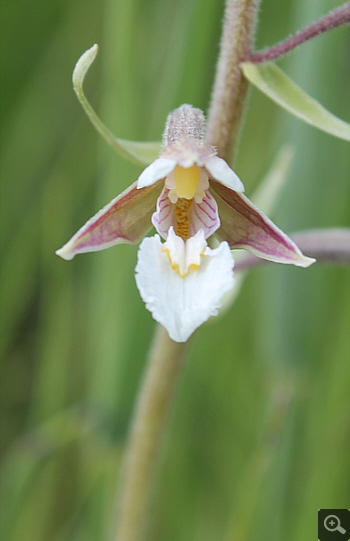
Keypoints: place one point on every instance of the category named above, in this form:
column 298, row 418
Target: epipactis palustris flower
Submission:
column 188, row 193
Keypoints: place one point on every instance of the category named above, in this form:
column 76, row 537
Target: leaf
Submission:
column 273, row 82
column 137, row 151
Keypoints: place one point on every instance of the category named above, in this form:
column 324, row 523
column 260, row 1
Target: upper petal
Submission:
column 220, row 170
column 181, row 305
column 160, row 168
column 126, row 219
column 244, row 226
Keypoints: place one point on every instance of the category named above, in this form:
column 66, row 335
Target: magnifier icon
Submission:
column 332, row 524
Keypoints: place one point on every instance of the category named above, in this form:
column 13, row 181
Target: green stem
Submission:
column 157, row 388
column 230, row 86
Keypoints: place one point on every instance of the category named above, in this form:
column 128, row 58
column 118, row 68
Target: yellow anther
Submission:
column 186, row 181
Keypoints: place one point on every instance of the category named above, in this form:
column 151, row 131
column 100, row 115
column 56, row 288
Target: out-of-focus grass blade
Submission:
column 18, row 281
column 271, row 80
column 268, row 191
column 251, row 485
column 22, row 465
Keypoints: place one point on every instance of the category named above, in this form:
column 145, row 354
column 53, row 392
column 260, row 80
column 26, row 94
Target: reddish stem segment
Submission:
column 333, row 19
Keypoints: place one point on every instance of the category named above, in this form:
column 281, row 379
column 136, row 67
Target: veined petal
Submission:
column 126, row 219
column 181, row 305
column 164, row 216
column 203, row 215
column 244, row 226
column 220, row 171
column 160, row 168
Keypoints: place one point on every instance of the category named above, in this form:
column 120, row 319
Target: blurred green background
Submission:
column 258, row 436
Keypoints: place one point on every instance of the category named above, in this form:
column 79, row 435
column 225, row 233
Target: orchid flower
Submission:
column 188, row 193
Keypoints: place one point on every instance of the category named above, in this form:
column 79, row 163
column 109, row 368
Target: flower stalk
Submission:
column 156, row 392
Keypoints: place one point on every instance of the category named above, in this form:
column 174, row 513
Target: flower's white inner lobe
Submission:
column 185, row 256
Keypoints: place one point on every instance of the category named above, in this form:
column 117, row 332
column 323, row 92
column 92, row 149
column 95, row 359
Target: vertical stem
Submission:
column 152, row 406
column 166, row 356
column 230, row 86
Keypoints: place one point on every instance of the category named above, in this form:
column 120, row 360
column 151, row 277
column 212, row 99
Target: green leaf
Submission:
column 137, row 151
column 268, row 78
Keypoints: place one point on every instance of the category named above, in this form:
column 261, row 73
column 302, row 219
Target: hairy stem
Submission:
column 157, row 388
column 230, row 86
column 337, row 17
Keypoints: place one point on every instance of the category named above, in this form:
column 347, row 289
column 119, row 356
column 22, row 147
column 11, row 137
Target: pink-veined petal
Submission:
column 181, row 305
column 160, row 168
column 222, row 172
column 202, row 215
column 126, row 219
column 164, row 216
column 244, row 226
